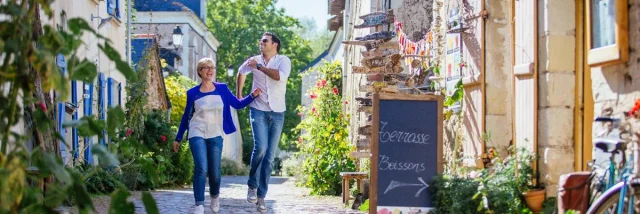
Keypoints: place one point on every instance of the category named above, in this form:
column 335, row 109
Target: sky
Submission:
column 316, row 9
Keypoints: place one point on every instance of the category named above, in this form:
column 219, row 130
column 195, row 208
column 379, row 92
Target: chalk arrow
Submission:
column 395, row 184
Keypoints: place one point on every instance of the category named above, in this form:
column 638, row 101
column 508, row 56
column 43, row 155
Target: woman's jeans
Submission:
column 207, row 154
column 267, row 128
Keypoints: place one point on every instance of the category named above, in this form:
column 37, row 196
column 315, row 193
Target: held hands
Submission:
column 176, row 146
column 256, row 92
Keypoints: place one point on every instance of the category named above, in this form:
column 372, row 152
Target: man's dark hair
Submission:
column 275, row 39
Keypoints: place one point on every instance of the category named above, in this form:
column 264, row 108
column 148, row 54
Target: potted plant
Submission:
column 533, row 193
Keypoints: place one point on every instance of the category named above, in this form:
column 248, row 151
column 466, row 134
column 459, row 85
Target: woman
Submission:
column 207, row 116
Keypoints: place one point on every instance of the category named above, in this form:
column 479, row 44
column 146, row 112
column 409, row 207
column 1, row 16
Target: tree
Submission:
column 320, row 38
column 238, row 25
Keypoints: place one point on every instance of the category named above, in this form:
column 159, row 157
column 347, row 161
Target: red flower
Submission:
column 313, row 110
column 42, row 106
column 313, row 95
column 163, row 138
column 346, row 102
column 335, row 90
column 324, row 83
column 128, row 133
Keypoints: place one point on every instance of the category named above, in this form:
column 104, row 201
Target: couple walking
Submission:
column 207, row 117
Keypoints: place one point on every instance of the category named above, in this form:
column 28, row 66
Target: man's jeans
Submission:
column 207, row 154
column 267, row 128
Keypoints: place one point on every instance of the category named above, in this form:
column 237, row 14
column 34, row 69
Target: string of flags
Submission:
column 411, row 49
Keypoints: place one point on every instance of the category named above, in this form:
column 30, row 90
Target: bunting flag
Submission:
column 421, row 48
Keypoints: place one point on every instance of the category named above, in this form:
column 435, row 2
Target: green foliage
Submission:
column 453, row 194
column 365, row 206
column 505, row 181
column 177, row 86
column 99, row 180
column 321, row 37
column 28, row 73
column 231, row 167
column 238, row 25
column 550, row 205
column 324, row 141
column 457, row 95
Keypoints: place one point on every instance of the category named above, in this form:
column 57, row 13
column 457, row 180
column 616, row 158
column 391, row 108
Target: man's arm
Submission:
column 239, row 84
column 272, row 73
column 282, row 72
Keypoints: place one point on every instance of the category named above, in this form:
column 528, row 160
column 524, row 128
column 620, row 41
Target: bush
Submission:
column 453, row 194
column 324, row 141
column 231, row 167
column 100, row 180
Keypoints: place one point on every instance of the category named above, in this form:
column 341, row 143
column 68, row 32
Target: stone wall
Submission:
column 416, row 17
column 556, row 90
column 618, row 86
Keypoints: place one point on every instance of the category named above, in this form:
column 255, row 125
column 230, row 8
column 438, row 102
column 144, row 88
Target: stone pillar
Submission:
column 556, row 92
column 498, row 78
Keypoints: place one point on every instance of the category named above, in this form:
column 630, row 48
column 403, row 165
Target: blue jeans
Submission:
column 207, row 154
column 267, row 128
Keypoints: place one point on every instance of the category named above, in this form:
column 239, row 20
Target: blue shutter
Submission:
column 110, row 92
column 120, row 94
column 88, row 155
column 74, row 131
column 111, row 6
column 62, row 65
column 101, row 108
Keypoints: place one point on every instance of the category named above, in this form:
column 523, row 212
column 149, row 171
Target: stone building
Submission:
column 534, row 73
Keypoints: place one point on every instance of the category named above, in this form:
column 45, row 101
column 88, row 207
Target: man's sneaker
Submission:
column 215, row 204
column 199, row 209
column 252, row 196
column 261, row 206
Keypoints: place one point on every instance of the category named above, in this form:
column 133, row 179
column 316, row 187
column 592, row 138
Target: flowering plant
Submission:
column 324, row 140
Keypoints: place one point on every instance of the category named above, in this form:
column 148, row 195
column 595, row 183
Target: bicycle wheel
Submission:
column 608, row 202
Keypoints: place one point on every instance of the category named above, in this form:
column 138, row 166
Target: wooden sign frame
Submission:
column 377, row 97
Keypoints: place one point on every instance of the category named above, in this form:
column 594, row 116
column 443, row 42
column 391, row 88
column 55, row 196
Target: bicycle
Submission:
column 618, row 197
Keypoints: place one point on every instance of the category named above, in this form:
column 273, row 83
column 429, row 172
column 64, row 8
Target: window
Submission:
column 113, row 8
column 607, row 27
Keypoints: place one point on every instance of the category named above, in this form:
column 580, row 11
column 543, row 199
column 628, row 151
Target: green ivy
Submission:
column 324, row 141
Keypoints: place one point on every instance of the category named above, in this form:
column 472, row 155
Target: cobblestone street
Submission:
column 283, row 197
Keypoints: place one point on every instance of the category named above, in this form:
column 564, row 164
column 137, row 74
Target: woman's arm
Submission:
column 234, row 101
column 185, row 118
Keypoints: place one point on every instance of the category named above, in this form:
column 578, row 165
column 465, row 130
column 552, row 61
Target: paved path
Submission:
column 283, row 197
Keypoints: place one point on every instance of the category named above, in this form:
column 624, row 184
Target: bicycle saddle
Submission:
column 610, row 145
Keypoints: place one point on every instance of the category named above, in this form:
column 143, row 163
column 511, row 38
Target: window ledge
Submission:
column 115, row 20
column 96, row 1
column 604, row 56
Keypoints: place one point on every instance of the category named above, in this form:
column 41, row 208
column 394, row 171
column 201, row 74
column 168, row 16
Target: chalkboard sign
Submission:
column 406, row 152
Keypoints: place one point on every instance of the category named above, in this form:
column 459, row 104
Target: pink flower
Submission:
column 323, row 83
column 335, row 90
column 473, row 174
column 313, row 110
column 128, row 133
column 300, row 140
column 300, row 114
column 163, row 138
column 42, row 106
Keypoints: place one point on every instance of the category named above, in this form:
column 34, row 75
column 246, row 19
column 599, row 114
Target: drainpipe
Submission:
column 129, row 31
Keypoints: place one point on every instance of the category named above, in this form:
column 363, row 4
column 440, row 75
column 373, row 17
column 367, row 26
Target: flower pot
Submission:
column 534, row 199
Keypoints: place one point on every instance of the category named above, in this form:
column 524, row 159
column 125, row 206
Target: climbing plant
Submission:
column 28, row 72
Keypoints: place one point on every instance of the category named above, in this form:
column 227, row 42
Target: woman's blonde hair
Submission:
column 204, row 62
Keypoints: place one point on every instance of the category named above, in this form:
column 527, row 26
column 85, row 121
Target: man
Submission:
column 270, row 72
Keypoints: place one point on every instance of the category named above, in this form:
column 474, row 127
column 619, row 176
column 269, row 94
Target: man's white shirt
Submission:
column 273, row 93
